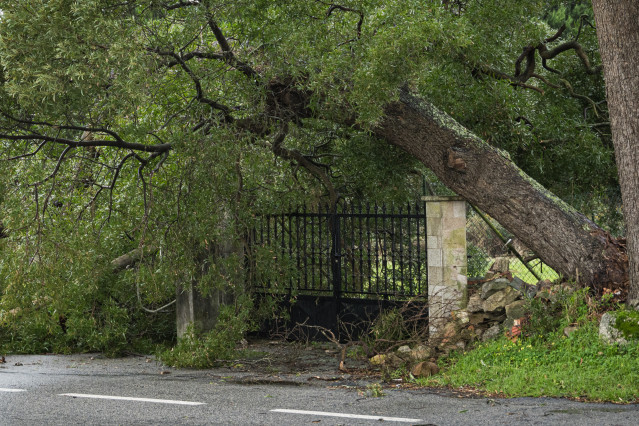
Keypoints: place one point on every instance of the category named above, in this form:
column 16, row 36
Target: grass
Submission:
column 544, row 271
column 580, row 366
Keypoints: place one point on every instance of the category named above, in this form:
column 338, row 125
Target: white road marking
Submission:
column 11, row 390
column 126, row 398
column 349, row 416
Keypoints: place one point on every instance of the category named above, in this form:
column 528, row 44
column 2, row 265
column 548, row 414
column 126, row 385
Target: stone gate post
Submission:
column 447, row 262
column 193, row 308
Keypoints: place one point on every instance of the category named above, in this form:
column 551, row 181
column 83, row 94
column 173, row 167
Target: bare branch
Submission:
column 558, row 34
column 57, row 166
column 30, row 154
column 500, row 75
column 582, row 19
column 63, row 127
column 592, row 103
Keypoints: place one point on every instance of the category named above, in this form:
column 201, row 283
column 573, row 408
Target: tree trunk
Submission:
column 618, row 34
column 562, row 237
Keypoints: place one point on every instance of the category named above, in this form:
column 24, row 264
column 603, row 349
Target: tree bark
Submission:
column 562, row 237
column 618, row 34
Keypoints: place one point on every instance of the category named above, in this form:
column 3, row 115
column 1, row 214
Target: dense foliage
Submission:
column 157, row 124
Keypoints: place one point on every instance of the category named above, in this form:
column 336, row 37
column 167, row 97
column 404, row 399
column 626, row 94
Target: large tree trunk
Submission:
column 563, row 238
column 618, row 33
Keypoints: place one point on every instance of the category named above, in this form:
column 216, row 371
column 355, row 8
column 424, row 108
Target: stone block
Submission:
column 502, row 264
column 492, row 333
column 491, row 287
column 523, row 287
column 474, row 304
column 425, row 369
column 434, row 209
column 499, row 300
column 433, row 226
column 435, row 257
column 421, row 353
column 450, row 223
column 435, row 275
column 459, row 209
column 194, row 309
column 434, row 242
column 608, row 332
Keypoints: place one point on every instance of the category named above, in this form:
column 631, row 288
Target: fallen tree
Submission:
column 563, row 238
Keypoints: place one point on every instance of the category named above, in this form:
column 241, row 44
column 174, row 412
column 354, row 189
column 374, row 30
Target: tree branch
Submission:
column 180, row 4
column 226, row 111
column 313, row 168
column 334, row 7
column 229, row 56
column 77, row 144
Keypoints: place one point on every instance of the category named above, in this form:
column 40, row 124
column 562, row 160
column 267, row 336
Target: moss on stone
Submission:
column 627, row 323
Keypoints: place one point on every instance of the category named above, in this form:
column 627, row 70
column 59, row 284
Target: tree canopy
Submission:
column 153, row 122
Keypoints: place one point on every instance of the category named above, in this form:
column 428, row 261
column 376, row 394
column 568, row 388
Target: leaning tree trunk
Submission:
column 562, row 237
column 618, row 34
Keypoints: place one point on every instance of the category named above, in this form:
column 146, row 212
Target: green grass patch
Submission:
column 578, row 366
column 544, row 271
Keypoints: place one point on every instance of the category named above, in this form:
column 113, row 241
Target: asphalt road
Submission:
column 79, row 389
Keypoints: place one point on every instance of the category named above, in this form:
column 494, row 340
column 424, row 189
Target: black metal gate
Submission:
column 344, row 264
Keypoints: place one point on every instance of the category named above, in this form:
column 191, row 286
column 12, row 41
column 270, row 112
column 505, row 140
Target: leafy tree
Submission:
column 172, row 123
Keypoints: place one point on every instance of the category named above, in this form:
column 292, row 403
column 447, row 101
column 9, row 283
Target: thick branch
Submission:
column 569, row 45
column 229, row 56
column 78, row 144
column 563, row 238
column 131, row 258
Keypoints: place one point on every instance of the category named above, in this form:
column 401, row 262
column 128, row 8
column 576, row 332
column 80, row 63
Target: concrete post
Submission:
column 202, row 312
column 193, row 308
column 447, row 262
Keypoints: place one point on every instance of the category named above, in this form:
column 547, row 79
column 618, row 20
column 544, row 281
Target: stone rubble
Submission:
column 499, row 306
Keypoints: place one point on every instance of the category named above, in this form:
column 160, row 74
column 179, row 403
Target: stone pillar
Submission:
column 447, row 262
column 193, row 308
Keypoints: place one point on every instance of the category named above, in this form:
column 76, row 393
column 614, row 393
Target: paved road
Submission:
column 70, row 390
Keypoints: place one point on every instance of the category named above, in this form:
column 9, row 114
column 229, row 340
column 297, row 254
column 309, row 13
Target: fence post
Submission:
column 446, row 258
